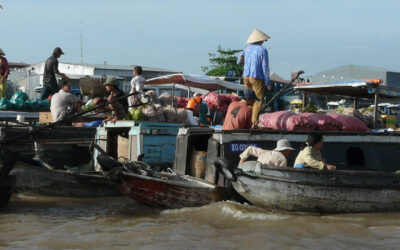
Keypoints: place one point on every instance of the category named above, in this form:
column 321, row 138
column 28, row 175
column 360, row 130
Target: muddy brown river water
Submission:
column 36, row 222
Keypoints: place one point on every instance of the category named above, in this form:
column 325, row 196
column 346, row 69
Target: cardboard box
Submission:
column 45, row 117
column 123, row 148
column 198, row 164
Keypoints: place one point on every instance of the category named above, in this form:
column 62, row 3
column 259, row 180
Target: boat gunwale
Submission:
column 309, row 183
column 200, row 183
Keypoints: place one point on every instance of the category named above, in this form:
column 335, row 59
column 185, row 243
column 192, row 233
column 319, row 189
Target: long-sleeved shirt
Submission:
column 4, row 69
column 310, row 158
column 270, row 158
column 256, row 62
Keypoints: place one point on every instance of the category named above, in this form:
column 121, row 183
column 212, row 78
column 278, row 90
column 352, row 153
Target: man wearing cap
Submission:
column 4, row 71
column 50, row 85
column 269, row 158
column 239, row 113
column 256, row 69
column 64, row 103
column 119, row 108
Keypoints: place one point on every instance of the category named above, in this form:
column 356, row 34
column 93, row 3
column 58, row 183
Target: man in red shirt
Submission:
column 4, row 71
column 239, row 113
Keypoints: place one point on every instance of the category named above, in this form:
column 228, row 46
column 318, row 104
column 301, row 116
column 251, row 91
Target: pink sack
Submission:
column 181, row 102
column 212, row 100
column 283, row 120
column 349, row 123
column 321, row 122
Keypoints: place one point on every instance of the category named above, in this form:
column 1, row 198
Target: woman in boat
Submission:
column 310, row 155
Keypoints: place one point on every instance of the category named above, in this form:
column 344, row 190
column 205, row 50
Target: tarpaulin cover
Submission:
column 201, row 82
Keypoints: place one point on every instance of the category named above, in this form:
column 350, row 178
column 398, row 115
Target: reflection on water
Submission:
column 120, row 223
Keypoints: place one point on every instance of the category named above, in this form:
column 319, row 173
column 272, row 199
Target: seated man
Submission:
column 119, row 108
column 64, row 103
column 270, row 158
column 239, row 113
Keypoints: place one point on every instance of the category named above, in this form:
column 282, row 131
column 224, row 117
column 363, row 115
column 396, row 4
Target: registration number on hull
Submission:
column 240, row 147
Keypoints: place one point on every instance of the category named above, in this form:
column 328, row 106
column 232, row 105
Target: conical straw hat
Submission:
column 257, row 36
column 2, row 53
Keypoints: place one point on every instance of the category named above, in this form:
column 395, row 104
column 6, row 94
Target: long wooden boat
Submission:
column 140, row 182
column 6, row 188
column 7, row 182
column 66, row 183
column 169, row 190
column 309, row 190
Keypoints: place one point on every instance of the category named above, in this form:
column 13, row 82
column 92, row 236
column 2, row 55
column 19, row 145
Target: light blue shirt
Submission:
column 256, row 63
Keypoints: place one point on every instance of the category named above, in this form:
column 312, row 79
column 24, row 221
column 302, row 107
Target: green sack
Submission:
column 5, row 103
column 32, row 105
column 18, row 100
column 44, row 105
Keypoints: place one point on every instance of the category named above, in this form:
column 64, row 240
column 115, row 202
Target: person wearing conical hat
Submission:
column 4, row 71
column 256, row 69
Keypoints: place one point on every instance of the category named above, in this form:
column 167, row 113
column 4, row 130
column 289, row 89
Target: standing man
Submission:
column 239, row 113
column 137, row 84
column 4, row 71
column 50, row 85
column 256, row 69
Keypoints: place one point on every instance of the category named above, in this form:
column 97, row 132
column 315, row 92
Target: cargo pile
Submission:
column 20, row 101
column 172, row 109
column 164, row 108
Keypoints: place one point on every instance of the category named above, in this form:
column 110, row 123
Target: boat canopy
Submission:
column 358, row 89
column 193, row 81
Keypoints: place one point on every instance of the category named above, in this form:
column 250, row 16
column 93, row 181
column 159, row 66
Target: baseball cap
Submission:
column 58, row 50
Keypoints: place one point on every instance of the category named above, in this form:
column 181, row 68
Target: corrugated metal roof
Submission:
column 352, row 67
column 119, row 67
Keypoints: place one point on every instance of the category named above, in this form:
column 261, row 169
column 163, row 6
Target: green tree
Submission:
column 221, row 61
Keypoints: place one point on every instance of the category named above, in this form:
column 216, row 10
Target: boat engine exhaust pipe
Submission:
column 225, row 167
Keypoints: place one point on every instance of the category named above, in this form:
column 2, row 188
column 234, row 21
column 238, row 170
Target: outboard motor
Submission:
column 226, row 168
column 107, row 163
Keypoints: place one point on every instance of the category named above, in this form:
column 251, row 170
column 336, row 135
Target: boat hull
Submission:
column 6, row 188
column 167, row 193
column 43, row 181
column 320, row 191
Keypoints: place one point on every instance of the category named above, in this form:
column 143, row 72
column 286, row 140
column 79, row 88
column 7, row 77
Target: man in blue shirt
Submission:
column 256, row 69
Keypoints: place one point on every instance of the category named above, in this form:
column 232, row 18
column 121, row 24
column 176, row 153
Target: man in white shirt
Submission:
column 137, row 83
column 270, row 158
column 64, row 104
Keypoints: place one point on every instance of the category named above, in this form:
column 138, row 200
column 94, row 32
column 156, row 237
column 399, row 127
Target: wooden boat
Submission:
column 6, row 188
column 66, row 183
column 169, row 190
column 7, row 182
column 309, row 190
column 163, row 189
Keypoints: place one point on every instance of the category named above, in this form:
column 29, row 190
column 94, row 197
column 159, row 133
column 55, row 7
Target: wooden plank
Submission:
column 181, row 154
column 212, row 153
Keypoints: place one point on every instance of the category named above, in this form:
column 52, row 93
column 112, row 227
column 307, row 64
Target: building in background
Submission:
column 30, row 77
column 357, row 72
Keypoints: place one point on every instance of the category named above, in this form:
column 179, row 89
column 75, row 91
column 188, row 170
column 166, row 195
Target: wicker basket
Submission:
column 93, row 86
